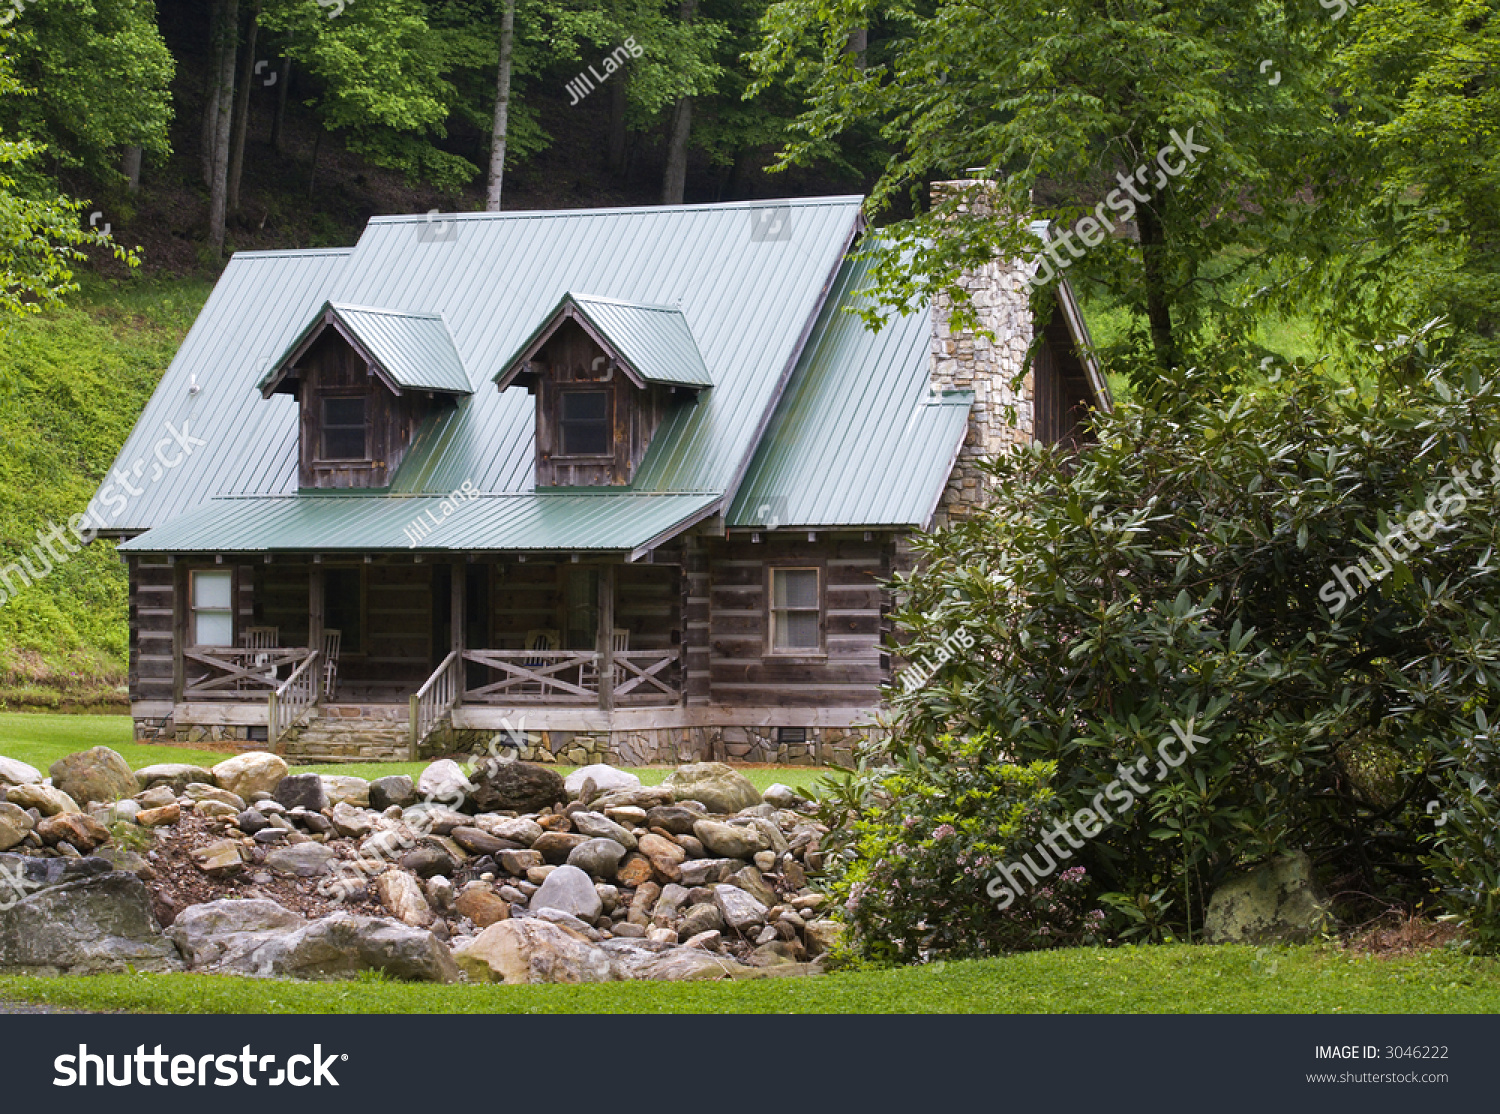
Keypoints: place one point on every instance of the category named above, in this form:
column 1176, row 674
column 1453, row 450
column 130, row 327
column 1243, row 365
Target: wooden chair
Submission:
column 543, row 640
column 619, row 642
column 332, row 639
column 260, row 638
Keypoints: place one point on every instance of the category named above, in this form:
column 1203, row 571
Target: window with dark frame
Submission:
column 796, row 611
column 344, row 428
column 584, row 421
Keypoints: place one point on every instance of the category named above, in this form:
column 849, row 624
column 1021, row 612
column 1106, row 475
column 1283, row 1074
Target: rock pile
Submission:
column 505, row 872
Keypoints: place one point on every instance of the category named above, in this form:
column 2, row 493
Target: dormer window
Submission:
column 585, row 423
column 605, row 375
column 344, row 428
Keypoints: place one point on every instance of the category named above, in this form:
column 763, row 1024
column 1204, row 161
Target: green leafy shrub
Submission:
column 1181, row 575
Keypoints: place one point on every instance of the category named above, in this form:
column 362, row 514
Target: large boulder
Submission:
column 569, row 890
column 95, row 775
column 1278, row 902
column 598, row 857
column 13, row 772
column 606, row 779
column 91, row 920
column 516, row 786
column 305, row 860
column 177, row 776
column 730, row 841
column 534, row 951
column 259, row 938
column 688, row 964
column 247, row 774
column 44, row 798
column 79, row 829
column 721, row 789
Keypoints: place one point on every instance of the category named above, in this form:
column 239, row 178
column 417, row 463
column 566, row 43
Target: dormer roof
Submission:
column 651, row 344
column 409, row 351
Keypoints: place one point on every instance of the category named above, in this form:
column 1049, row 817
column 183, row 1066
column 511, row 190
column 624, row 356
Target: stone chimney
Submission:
column 964, row 361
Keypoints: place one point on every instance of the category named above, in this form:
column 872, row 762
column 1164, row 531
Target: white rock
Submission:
column 606, row 779
column 571, row 890
column 13, row 772
column 444, row 782
column 253, row 772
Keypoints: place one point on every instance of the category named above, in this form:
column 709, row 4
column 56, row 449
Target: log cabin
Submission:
column 627, row 483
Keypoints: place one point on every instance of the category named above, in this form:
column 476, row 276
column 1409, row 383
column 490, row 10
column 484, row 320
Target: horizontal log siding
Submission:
column 150, row 616
column 648, row 604
column 526, row 597
column 854, row 618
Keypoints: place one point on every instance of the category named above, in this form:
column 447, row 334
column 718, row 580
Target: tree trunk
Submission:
column 279, row 119
column 617, row 104
column 219, row 185
column 859, row 42
column 502, row 109
column 130, row 166
column 1158, row 299
column 242, row 111
column 209, row 130
column 674, row 181
column 312, row 171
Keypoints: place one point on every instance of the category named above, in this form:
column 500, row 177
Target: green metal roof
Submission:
column 745, row 296
column 858, row 439
column 654, row 342
column 327, row 523
column 414, row 351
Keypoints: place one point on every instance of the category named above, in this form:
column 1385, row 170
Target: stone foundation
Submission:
column 668, row 746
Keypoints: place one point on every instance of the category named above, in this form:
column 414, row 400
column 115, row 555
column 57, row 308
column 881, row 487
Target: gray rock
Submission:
column 598, row 857
column 705, row 872
column 517, row 830
column 44, row 798
column 579, row 928
column 253, row 772
column 14, row 772
column 688, row 963
column 305, row 860
column 647, row 796
column 673, row 818
column 175, row 776
column 731, row 841
column 98, row 923
column 428, row 861
column 477, row 841
column 571, row 890
column 200, row 792
column 781, row 796
column 261, row 939
column 597, row 825
column 251, row 821
column 741, row 912
column 396, row 790
column 158, row 796
column 704, row 917
column 753, row 883
column 301, row 791
column 606, row 779
column 721, row 788
column 1279, row 902
column 352, row 822
column 444, row 782
column 519, row 862
column 98, row 774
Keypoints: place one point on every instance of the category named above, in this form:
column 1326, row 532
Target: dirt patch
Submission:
column 1398, row 935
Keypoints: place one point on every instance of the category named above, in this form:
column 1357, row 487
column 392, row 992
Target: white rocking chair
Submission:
column 331, row 642
column 588, row 672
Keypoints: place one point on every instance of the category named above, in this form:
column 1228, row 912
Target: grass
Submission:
column 1145, row 979
column 41, row 739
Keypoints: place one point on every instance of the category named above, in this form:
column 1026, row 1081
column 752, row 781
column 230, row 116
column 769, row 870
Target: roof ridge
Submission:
column 706, row 206
column 424, row 314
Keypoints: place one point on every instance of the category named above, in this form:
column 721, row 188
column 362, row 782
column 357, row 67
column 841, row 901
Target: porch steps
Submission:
column 350, row 733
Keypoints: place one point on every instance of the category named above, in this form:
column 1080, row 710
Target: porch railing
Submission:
column 234, row 671
column 433, row 702
column 573, row 677
column 291, row 700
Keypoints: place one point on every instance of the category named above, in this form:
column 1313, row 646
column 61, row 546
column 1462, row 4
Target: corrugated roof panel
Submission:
column 415, row 349
column 249, row 443
column 858, row 439
column 655, row 339
column 329, row 523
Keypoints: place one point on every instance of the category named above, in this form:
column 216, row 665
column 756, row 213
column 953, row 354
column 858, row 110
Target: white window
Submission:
column 795, row 611
column 213, row 609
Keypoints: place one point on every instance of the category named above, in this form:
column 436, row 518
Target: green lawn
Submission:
column 1148, row 979
column 42, row 739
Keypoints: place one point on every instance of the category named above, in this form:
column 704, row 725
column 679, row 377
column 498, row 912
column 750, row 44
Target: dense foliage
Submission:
column 1185, row 580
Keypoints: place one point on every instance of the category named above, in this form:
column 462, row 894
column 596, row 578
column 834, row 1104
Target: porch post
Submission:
column 606, row 643
column 181, row 604
column 315, row 607
column 457, row 614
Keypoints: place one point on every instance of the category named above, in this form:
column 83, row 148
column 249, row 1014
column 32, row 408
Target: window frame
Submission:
column 819, row 569
column 324, row 427
column 563, row 392
column 193, row 610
